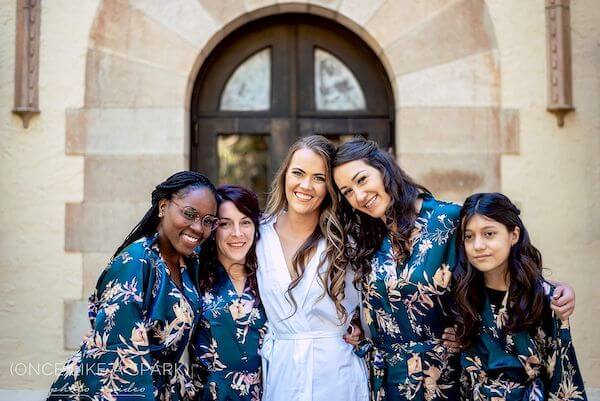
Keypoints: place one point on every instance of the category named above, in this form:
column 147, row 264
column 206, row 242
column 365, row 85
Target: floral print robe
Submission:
column 535, row 366
column 405, row 307
column 226, row 343
column 141, row 325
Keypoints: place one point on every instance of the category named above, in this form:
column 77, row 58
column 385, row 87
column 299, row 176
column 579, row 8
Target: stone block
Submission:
column 187, row 19
column 116, row 131
column 360, row 11
column 100, row 226
column 223, row 11
column 468, row 82
column 116, row 81
column 93, row 265
column 130, row 32
column 251, row 5
column 453, row 176
column 464, row 130
column 127, row 178
column 76, row 323
column 392, row 18
column 457, row 31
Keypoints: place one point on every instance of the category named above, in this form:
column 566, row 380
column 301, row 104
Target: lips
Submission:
column 368, row 204
column 190, row 238
column 236, row 244
column 302, row 196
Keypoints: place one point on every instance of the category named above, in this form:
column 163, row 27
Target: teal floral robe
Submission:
column 141, row 326
column 226, row 342
column 522, row 366
column 405, row 307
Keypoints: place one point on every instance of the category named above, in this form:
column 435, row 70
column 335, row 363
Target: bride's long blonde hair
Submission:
column 329, row 226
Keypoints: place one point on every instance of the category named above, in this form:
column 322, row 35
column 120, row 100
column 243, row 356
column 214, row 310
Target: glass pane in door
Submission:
column 244, row 160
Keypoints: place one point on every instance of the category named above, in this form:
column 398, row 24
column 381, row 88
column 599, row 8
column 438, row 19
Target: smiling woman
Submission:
column 308, row 298
column 225, row 344
column 145, row 303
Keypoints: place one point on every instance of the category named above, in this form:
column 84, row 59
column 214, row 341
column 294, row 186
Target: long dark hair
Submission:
column 177, row 185
column 525, row 302
column 247, row 203
column 365, row 233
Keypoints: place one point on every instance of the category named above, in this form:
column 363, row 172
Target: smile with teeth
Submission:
column 237, row 244
column 303, row 196
column 370, row 202
column 190, row 238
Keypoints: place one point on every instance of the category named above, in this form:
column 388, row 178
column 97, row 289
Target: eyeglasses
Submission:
column 208, row 221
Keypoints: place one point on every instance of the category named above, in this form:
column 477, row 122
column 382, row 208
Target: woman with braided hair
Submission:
column 145, row 303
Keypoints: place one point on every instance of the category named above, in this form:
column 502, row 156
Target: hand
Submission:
column 354, row 335
column 563, row 301
column 449, row 337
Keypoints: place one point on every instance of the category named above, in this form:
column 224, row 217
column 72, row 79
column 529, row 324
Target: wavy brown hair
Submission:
column 526, row 295
column 247, row 203
column 328, row 227
column 365, row 233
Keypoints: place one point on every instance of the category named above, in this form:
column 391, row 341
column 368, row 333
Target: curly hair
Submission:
column 365, row 233
column 329, row 226
column 525, row 303
column 247, row 203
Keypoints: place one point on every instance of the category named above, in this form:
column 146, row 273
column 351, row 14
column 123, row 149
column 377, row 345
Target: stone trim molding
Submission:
column 27, row 59
column 558, row 38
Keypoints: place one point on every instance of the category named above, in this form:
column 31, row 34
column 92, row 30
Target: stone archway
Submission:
column 441, row 57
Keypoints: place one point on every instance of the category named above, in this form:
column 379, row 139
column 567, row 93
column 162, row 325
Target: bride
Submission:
column 309, row 300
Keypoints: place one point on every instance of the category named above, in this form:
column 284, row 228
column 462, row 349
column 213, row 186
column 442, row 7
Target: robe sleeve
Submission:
column 114, row 361
column 565, row 381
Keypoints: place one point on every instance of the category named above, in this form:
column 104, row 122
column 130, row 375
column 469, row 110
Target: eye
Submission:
column 190, row 213
column 490, row 234
column 225, row 224
column 361, row 180
column 347, row 193
column 468, row 237
column 297, row 173
column 320, row 178
column 246, row 223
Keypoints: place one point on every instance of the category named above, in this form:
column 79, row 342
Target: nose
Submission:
column 478, row 243
column 305, row 182
column 361, row 196
column 237, row 231
column 198, row 229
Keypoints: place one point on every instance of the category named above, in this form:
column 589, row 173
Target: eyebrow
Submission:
column 355, row 175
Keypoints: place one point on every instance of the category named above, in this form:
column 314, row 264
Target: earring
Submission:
column 160, row 214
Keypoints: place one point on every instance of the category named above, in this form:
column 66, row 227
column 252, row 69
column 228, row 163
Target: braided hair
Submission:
column 179, row 184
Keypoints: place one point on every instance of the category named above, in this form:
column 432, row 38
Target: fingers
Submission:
column 450, row 341
column 565, row 311
column 351, row 339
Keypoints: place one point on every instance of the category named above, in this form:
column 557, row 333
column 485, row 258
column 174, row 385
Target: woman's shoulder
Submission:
column 443, row 208
column 133, row 261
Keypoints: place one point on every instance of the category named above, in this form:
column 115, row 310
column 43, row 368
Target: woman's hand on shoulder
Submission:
column 450, row 341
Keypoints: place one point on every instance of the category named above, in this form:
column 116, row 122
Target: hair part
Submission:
column 176, row 186
column 526, row 297
column 366, row 233
column 247, row 203
column 328, row 227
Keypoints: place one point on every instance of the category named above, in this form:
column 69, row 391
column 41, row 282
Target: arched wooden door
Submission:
column 277, row 79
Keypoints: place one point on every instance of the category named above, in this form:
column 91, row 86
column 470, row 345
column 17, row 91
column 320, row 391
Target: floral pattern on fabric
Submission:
column 536, row 366
column 405, row 306
column 141, row 325
column 226, row 342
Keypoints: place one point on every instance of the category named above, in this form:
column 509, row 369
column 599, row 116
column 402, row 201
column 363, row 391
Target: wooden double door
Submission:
column 275, row 80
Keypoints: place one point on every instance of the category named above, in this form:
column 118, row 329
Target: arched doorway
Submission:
column 277, row 79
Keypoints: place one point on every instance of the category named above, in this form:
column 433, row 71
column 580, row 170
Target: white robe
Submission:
column 304, row 355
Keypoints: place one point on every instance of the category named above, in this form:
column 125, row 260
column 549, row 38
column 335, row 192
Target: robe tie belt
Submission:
column 266, row 351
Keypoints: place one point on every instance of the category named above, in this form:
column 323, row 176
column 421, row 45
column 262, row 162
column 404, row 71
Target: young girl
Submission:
column 308, row 298
column 226, row 341
column 516, row 347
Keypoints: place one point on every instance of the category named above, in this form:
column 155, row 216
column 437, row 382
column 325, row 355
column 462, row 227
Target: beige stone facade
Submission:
column 469, row 81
